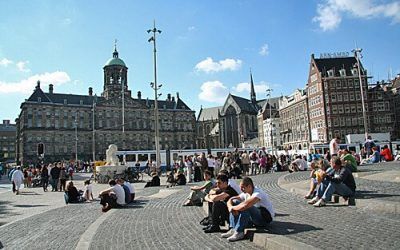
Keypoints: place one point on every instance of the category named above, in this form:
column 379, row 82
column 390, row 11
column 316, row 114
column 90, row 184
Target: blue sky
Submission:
column 205, row 50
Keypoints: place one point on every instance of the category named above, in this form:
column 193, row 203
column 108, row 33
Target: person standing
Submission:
column 44, row 175
column 368, row 145
column 17, row 178
column 245, row 162
column 63, row 178
column 55, row 175
column 334, row 146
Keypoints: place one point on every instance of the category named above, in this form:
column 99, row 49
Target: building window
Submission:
column 340, row 109
column 350, row 83
column 351, row 96
column 345, row 96
column 65, row 102
column 339, row 97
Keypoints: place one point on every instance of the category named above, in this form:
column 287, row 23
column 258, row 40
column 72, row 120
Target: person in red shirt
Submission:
column 386, row 153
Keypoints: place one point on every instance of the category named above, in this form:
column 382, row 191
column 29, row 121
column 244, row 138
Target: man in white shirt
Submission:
column 17, row 178
column 334, row 146
column 299, row 164
column 252, row 205
column 112, row 197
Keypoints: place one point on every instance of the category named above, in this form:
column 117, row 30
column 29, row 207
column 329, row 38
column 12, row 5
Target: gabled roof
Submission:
column 245, row 104
column 207, row 114
column 325, row 64
column 167, row 104
column 38, row 93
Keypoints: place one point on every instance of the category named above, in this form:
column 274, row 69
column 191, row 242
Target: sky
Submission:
column 205, row 51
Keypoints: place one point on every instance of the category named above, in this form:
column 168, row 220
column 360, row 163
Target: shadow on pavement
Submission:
column 285, row 228
column 27, row 206
column 372, row 195
column 28, row 193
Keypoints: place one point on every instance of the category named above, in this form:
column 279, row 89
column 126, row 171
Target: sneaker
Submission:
column 320, row 203
column 228, row 234
column 313, row 200
column 205, row 221
column 236, row 236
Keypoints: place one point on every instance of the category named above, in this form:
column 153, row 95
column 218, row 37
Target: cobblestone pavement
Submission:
column 163, row 223
column 335, row 226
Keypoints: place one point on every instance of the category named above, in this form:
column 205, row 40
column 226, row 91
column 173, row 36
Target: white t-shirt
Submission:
column 234, row 185
column 130, row 186
column 211, row 162
column 333, row 147
column 263, row 202
column 301, row 164
column 120, row 193
column 88, row 191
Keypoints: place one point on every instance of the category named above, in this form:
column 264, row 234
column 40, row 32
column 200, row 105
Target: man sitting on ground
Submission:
column 251, row 206
column 217, row 209
column 340, row 182
column 198, row 193
column 112, row 197
column 349, row 159
column 375, row 157
column 127, row 191
column 299, row 164
column 131, row 188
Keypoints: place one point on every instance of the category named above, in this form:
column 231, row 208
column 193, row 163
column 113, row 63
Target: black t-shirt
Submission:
column 230, row 191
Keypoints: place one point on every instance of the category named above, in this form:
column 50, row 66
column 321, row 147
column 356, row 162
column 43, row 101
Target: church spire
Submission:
column 252, row 92
column 115, row 53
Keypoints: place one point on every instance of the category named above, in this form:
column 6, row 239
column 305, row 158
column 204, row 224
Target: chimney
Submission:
column 6, row 122
column 173, row 99
column 177, row 96
column 169, row 97
column 51, row 88
column 90, row 91
column 38, row 84
column 139, row 95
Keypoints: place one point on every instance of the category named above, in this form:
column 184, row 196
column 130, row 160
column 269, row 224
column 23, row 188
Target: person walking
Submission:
column 17, row 178
column 44, row 175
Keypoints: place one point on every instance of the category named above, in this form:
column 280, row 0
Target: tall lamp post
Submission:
column 270, row 119
column 156, row 87
column 123, row 115
column 357, row 54
column 76, row 139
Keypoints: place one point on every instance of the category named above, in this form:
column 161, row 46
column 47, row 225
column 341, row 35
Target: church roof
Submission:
column 246, row 105
column 115, row 61
column 207, row 114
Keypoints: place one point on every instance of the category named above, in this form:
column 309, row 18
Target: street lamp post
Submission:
column 123, row 115
column 156, row 87
column 270, row 119
column 357, row 53
column 76, row 140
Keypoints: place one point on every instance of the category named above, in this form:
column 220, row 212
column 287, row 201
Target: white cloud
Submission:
column 5, row 62
column 66, row 21
column 22, row 66
column 260, row 88
column 191, row 28
column 208, row 65
column 26, row 86
column 213, row 91
column 264, row 51
column 331, row 11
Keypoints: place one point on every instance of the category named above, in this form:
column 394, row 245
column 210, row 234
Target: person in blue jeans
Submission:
column 252, row 206
column 340, row 182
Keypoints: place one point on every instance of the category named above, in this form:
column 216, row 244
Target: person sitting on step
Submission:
column 217, row 208
column 251, row 206
column 340, row 181
column 198, row 193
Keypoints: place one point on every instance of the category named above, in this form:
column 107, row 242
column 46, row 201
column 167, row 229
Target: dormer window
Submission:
column 342, row 72
column 81, row 102
column 354, row 72
column 39, row 99
column 65, row 102
column 330, row 73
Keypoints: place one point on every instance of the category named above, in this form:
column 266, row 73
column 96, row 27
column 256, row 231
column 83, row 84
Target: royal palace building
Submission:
column 71, row 125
